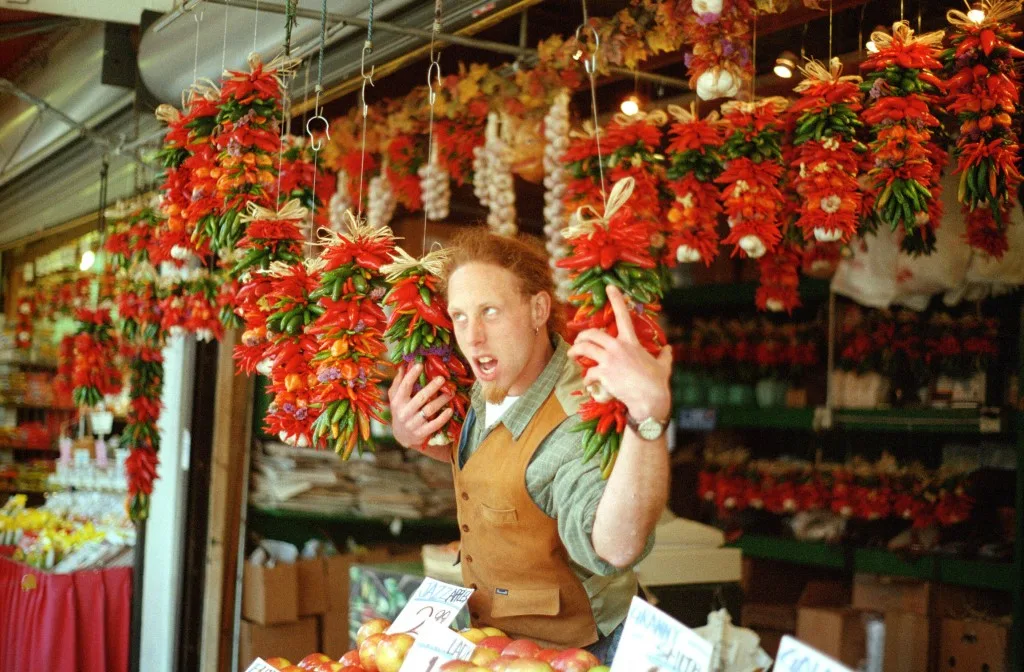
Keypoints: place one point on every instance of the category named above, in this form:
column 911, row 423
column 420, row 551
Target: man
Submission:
column 547, row 544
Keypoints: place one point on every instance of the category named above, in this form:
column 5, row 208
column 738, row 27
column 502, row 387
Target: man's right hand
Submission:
column 415, row 418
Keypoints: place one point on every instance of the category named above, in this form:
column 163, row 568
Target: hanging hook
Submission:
column 367, row 48
column 434, row 67
column 591, row 63
column 315, row 143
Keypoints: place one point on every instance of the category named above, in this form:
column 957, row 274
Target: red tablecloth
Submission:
column 71, row 622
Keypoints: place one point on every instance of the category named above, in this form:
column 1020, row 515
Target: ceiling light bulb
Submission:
column 88, row 259
column 785, row 64
column 630, row 106
column 976, row 15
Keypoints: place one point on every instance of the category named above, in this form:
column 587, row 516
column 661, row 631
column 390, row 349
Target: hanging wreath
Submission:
column 720, row 64
column 827, row 152
column 900, row 85
column 694, row 158
column 350, row 332
column 420, row 331
column 753, row 175
column 984, row 90
column 611, row 249
column 290, row 415
column 271, row 238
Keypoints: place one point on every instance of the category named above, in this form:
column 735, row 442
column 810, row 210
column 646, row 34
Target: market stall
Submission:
column 830, row 246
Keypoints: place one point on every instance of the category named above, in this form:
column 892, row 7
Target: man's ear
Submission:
column 540, row 309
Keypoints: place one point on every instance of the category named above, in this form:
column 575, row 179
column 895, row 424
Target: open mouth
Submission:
column 486, row 366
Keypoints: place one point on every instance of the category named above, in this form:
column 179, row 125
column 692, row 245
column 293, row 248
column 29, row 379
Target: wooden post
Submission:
column 232, row 432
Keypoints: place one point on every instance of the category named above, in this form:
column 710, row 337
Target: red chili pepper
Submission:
column 988, row 41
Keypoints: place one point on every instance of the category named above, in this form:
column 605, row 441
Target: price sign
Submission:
column 795, row 656
column 435, row 646
column 260, row 665
column 433, row 601
column 655, row 642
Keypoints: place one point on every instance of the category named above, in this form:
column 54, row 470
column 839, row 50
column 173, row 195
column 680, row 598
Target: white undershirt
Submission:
column 493, row 412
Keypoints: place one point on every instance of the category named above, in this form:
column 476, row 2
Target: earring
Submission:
column 536, row 330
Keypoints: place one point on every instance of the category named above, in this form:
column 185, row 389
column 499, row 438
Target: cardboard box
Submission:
column 908, row 642
column 270, row 594
column 972, row 645
column 780, row 617
column 312, row 582
column 825, row 622
column 293, row 641
column 334, row 633
column 884, row 594
column 672, row 565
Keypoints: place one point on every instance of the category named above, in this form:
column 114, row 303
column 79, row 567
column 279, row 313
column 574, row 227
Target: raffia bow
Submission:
column 655, row 117
column 356, row 229
column 433, row 263
column 293, row 209
column 167, row 114
column 688, row 116
column 587, row 131
column 777, row 103
column 815, row 72
column 902, row 33
column 201, row 88
column 584, row 225
column 995, row 12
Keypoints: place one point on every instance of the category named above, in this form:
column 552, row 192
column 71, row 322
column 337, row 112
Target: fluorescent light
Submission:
column 88, row 259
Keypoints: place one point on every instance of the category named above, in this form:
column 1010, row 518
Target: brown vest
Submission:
column 511, row 552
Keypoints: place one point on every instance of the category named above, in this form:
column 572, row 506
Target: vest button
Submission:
column 465, row 496
column 465, row 528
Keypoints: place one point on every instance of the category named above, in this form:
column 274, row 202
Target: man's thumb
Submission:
column 665, row 356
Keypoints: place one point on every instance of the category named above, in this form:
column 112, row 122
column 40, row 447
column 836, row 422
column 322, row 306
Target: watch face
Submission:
column 650, row 429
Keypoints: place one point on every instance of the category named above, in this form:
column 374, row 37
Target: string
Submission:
column 224, row 48
column 432, row 97
column 256, row 25
column 314, row 142
column 901, row 10
column 367, row 79
column 195, row 59
column 590, row 65
column 830, row 32
column 753, row 58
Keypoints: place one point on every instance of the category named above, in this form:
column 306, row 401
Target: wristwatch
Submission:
column 650, row 429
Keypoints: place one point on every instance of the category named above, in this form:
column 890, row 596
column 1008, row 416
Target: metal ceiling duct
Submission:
column 120, row 11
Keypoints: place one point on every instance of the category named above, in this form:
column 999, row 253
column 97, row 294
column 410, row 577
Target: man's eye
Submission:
column 458, row 317
column 490, row 312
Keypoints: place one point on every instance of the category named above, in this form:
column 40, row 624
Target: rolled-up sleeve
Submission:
column 569, row 490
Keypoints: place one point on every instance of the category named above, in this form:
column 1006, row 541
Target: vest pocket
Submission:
column 499, row 516
column 526, row 602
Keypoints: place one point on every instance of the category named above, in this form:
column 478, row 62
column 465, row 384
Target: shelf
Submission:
column 945, row 569
column 722, row 295
column 351, row 518
column 898, row 420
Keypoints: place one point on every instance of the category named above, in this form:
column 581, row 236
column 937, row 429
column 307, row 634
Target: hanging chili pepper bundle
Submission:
column 197, row 209
column 420, row 331
column 350, row 333
column 24, row 320
column 62, row 385
column 141, row 434
column 753, row 174
column 694, row 164
column 901, row 86
column 720, row 64
column 983, row 93
column 248, row 144
column 293, row 346
column 825, row 124
column 271, row 238
column 778, row 290
column 94, row 374
column 611, row 249
column 299, row 164
column 403, row 159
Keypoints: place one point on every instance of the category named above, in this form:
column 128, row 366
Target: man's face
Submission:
column 493, row 327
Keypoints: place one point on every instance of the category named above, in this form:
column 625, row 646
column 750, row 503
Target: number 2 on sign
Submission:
column 427, row 612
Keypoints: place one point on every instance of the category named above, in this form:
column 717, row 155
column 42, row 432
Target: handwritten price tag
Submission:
column 260, row 665
column 434, row 601
column 795, row 656
column 435, row 646
column 655, row 642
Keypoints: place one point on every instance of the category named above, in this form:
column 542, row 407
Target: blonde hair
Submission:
column 522, row 256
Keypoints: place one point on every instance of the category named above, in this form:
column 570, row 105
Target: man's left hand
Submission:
column 624, row 368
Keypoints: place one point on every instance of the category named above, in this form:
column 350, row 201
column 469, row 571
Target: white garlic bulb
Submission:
column 498, row 188
column 340, row 202
column 753, row 246
column 556, row 133
column 717, row 83
column 436, row 188
column 381, row 202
